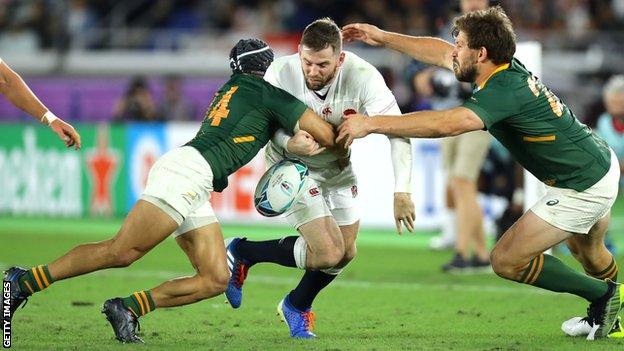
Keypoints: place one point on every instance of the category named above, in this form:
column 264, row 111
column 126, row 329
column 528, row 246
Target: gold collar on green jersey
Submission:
column 498, row 69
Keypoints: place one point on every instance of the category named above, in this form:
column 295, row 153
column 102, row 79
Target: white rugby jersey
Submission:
column 357, row 87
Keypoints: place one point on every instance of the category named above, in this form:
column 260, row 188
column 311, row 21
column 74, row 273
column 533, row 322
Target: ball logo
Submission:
column 287, row 188
column 552, row 202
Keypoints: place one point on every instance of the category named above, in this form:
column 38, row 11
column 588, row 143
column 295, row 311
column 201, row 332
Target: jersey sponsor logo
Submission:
column 552, row 202
column 314, row 192
column 349, row 111
column 354, row 191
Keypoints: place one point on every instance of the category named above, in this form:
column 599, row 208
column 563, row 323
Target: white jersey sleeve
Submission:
column 379, row 100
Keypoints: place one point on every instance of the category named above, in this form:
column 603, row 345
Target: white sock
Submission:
column 332, row 271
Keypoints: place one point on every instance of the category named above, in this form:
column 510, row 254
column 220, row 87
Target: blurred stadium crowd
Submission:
column 593, row 30
column 164, row 24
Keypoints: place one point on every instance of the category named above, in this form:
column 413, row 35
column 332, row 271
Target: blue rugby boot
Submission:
column 238, row 272
column 300, row 323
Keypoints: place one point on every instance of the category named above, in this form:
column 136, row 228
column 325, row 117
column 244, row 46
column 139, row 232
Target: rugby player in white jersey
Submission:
column 333, row 83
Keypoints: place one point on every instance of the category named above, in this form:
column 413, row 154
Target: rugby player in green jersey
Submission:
column 580, row 171
column 241, row 119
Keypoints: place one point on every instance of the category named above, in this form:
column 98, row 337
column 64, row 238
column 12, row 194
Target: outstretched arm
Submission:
column 433, row 51
column 421, row 124
column 13, row 87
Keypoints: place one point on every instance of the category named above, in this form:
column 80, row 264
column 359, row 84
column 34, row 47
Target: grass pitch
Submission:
column 392, row 297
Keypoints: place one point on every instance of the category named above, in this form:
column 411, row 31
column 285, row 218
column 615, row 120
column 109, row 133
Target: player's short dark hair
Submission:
column 322, row 33
column 251, row 56
column 490, row 29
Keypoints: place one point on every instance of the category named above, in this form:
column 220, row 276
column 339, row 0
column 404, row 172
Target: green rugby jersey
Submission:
column 539, row 130
column 241, row 119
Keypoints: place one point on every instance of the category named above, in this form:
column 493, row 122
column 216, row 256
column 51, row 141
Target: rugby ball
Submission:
column 280, row 187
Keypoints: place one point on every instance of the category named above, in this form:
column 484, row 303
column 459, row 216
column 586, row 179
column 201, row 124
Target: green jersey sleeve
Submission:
column 284, row 107
column 495, row 102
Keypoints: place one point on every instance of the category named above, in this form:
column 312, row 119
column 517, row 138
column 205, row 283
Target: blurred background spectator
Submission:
column 137, row 104
column 610, row 124
column 174, row 105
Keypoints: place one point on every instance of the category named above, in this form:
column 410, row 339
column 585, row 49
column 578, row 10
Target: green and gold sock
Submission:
column 548, row 272
column 140, row 303
column 37, row 279
column 611, row 272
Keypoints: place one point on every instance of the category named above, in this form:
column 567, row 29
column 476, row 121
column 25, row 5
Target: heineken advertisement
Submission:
column 39, row 176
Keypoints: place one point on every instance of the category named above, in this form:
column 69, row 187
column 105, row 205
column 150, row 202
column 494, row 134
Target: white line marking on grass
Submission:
column 346, row 283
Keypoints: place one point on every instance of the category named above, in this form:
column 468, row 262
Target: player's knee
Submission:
column 350, row 253
column 328, row 257
column 214, row 284
column 502, row 266
column 123, row 257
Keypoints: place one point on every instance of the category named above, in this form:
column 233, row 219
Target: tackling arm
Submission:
column 421, row 124
column 13, row 87
column 430, row 50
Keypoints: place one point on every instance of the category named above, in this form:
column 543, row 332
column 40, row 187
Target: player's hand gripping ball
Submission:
column 280, row 187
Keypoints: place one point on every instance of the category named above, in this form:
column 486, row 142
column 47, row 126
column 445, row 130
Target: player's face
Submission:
column 319, row 67
column 464, row 60
column 473, row 5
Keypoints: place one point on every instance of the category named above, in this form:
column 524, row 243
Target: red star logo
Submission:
column 102, row 163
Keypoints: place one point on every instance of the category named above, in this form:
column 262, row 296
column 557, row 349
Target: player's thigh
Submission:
column 323, row 236
column 470, row 154
column 144, row 227
column 527, row 238
column 311, row 216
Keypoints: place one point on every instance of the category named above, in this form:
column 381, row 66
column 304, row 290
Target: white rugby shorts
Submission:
column 327, row 192
column 180, row 183
column 577, row 212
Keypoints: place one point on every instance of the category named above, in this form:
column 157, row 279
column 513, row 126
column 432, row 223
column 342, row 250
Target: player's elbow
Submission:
column 457, row 123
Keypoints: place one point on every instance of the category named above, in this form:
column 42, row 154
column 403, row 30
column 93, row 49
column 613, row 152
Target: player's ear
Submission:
column 299, row 49
column 482, row 55
column 341, row 58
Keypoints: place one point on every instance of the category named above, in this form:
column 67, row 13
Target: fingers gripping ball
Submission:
column 280, row 187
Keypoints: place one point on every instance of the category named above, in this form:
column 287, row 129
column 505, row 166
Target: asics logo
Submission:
column 190, row 196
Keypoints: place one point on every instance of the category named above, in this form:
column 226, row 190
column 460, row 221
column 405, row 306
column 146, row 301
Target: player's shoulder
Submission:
column 284, row 63
column 355, row 63
column 356, row 69
column 509, row 79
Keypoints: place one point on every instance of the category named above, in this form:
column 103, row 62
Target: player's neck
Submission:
column 488, row 70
